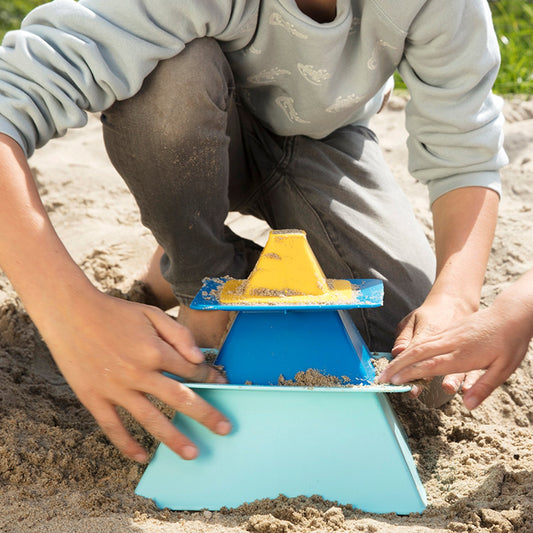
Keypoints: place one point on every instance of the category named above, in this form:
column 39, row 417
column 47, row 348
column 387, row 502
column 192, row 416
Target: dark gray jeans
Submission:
column 190, row 153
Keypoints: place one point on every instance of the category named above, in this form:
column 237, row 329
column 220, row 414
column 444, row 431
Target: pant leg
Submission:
column 358, row 221
column 171, row 144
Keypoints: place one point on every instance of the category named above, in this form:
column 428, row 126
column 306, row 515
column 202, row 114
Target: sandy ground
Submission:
column 58, row 473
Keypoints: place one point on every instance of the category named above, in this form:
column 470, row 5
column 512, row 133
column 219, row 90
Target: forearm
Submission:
column 31, row 254
column 464, row 222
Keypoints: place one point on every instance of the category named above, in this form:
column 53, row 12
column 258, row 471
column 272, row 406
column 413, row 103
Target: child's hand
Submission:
column 483, row 340
column 114, row 352
column 437, row 313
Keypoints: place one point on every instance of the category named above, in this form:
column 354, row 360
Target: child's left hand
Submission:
column 432, row 317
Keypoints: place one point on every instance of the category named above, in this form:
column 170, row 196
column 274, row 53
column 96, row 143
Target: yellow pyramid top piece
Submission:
column 287, row 272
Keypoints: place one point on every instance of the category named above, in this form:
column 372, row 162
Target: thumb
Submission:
column 178, row 336
column 404, row 335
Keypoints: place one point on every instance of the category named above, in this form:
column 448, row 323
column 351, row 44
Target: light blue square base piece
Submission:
column 342, row 443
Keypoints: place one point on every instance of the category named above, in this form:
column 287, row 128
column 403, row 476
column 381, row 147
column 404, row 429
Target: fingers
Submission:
column 161, row 427
column 421, row 361
column 177, row 396
column 411, row 329
column 452, row 382
column 485, row 385
column 185, row 400
column 174, row 351
column 177, row 353
column 111, row 424
column 416, row 390
column 205, row 373
column 470, row 379
column 156, row 423
column 169, row 360
column 123, row 354
column 175, row 334
column 441, row 365
column 404, row 334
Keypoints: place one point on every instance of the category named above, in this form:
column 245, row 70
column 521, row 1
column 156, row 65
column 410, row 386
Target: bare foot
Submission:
column 157, row 285
column 209, row 328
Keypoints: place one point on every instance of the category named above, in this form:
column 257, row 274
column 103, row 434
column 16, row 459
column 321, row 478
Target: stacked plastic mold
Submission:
column 343, row 443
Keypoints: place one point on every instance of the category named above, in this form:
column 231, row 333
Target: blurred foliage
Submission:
column 513, row 20
column 13, row 11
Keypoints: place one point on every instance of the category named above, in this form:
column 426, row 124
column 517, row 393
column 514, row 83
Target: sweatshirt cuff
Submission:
column 7, row 128
column 489, row 180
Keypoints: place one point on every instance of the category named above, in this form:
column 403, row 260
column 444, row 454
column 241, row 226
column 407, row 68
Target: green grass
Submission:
column 12, row 12
column 513, row 20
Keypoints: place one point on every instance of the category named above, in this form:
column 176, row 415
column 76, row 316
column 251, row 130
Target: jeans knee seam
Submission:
column 274, row 177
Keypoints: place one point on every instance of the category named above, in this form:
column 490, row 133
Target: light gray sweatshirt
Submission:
column 298, row 76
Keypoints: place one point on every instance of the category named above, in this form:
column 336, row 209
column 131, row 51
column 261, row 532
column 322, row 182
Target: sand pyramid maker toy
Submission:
column 343, row 443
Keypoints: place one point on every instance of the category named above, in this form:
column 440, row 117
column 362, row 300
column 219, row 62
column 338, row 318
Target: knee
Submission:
column 180, row 94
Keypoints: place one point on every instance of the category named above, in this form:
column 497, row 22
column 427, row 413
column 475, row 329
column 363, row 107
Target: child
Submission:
column 262, row 107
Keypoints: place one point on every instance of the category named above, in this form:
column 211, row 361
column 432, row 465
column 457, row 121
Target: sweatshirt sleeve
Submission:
column 454, row 121
column 70, row 57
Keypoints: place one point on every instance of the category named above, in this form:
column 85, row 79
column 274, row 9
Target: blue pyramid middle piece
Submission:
column 262, row 345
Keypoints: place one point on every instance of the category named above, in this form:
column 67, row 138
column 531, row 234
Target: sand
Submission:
column 58, row 472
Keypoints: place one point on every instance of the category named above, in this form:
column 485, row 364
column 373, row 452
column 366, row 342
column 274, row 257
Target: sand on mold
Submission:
column 58, row 472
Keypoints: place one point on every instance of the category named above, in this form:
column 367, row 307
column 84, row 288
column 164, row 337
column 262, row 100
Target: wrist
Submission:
column 464, row 303
column 53, row 294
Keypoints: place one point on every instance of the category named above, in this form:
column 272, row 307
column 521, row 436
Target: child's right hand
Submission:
column 113, row 353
